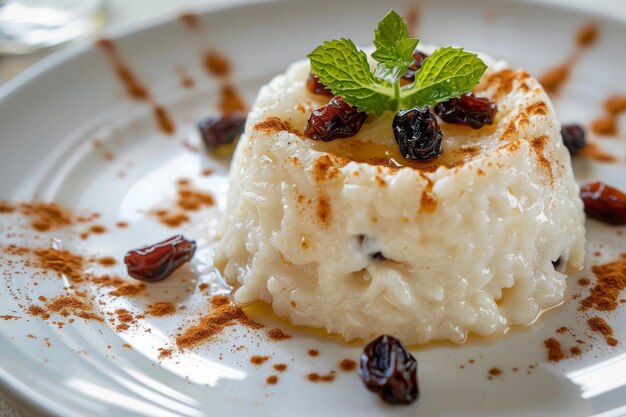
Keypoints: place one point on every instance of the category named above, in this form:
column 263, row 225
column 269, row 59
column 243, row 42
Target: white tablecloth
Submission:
column 127, row 12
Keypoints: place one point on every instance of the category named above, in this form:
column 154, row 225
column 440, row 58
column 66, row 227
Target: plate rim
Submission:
column 16, row 390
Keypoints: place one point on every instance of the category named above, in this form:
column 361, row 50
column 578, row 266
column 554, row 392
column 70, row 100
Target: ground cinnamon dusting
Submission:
column 599, row 325
column 607, row 124
column 46, row 216
column 315, row 377
column 555, row 353
column 38, row 311
column 107, row 261
column 192, row 200
column 216, row 64
column 6, row 207
column 347, row 365
column 280, row 367
column 587, row 35
column 230, row 100
column 134, row 87
column 272, row 379
column 278, row 334
column 223, row 314
column 593, row 151
column 313, row 352
column 553, row 79
column 67, row 305
column 127, row 289
column 165, row 353
column 63, row 262
column 97, row 229
column 258, row 360
column 161, row 309
column 611, row 280
column 273, row 125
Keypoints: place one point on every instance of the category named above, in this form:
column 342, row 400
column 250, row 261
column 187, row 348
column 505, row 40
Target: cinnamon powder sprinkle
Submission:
column 587, row 35
column 38, row 311
column 313, row 352
column 495, row 371
column 611, row 280
column 277, row 334
column 6, row 207
column 258, row 360
column 555, row 353
column 216, row 64
column 165, row 353
column 9, row 317
column 127, row 289
column 62, row 262
column 223, row 314
column 272, row 379
column 347, row 365
column 161, row 309
column 67, row 305
column 107, row 261
column 607, row 124
column 46, row 216
column 193, row 200
column 97, row 229
column 599, row 325
column 315, row 377
column 280, row 367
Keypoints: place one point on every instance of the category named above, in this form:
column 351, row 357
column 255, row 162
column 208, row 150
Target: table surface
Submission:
column 122, row 13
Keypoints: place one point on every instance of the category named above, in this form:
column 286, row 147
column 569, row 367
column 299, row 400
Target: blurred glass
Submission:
column 30, row 25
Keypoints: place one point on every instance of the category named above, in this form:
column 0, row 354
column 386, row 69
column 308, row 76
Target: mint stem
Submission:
column 396, row 95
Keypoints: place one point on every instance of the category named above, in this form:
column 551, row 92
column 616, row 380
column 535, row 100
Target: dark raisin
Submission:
column 367, row 246
column 387, row 369
column 378, row 256
column 573, row 138
column 467, row 110
column 409, row 77
column 335, row 120
column 418, row 134
column 314, row 85
column 156, row 262
column 604, row 203
column 220, row 130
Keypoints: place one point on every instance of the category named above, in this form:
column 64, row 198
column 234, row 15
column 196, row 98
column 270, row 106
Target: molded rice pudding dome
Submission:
column 350, row 237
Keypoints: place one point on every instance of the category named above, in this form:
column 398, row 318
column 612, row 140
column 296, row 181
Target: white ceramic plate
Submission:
column 50, row 116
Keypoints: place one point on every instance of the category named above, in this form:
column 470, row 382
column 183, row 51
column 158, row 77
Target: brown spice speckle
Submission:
column 555, row 352
column 258, row 360
column 278, row 334
column 599, row 325
column 347, row 365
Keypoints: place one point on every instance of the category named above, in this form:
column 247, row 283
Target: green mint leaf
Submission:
column 447, row 73
column 394, row 48
column 344, row 69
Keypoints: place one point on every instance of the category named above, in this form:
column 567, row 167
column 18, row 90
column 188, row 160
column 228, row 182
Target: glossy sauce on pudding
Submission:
column 461, row 145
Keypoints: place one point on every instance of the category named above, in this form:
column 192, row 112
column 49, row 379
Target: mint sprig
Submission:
column 394, row 48
column 341, row 67
column 345, row 70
